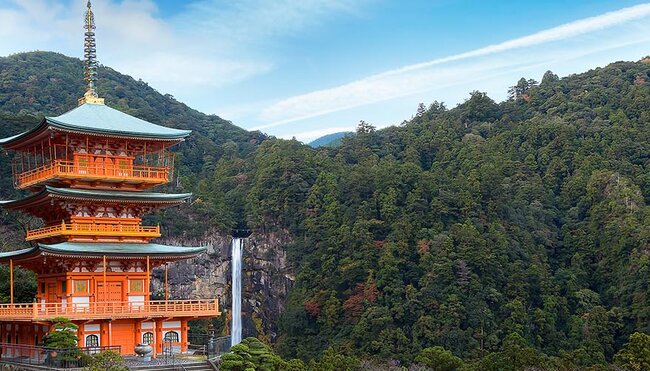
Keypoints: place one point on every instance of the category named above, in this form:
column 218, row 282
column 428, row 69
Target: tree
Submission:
column 439, row 359
column 520, row 91
column 333, row 361
column 365, row 128
column 635, row 355
column 252, row 354
column 64, row 334
column 108, row 360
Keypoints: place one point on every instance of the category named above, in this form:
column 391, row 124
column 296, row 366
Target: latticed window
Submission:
column 80, row 286
column 83, row 165
column 92, row 341
column 171, row 336
column 147, row 337
column 136, row 285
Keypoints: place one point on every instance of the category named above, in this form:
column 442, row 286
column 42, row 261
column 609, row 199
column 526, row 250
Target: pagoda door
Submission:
column 112, row 296
column 109, row 167
column 51, row 293
column 99, row 166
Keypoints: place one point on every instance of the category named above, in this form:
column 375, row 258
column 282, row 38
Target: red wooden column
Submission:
column 183, row 339
column 154, row 343
column 148, row 291
column 80, row 334
column 166, row 284
column 158, row 336
column 11, row 281
column 104, row 298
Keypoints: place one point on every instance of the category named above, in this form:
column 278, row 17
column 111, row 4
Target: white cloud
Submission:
column 465, row 67
column 211, row 44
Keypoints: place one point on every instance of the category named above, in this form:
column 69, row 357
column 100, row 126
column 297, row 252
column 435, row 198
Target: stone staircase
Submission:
column 190, row 366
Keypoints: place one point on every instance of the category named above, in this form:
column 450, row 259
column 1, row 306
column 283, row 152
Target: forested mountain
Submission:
column 487, row 229
column 512, row 234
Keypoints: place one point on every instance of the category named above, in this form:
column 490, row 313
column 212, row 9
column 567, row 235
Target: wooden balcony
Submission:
column 94, row 230
column 70, row 171
column 110, row 310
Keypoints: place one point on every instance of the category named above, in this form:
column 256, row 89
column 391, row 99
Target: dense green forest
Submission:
column 508, row 235
column 487, row 226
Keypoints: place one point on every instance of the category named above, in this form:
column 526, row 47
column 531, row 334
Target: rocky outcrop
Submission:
column 266, row 282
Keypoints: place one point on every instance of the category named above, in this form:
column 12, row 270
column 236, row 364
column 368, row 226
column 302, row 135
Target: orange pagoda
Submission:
column 90, row 171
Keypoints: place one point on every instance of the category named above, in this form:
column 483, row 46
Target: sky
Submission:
column 308, row 68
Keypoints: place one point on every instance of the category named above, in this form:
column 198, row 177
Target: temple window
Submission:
column 147, row 337
column 92, row 341
column 171, row 337
column 80, row 286
column 136, row 285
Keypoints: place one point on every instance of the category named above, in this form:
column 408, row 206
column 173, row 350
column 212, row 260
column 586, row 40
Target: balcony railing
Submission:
column 100, row 230
column 90, row 172
column 109, row 310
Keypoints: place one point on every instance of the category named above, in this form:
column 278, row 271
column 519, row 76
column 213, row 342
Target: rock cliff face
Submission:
column 266, row 282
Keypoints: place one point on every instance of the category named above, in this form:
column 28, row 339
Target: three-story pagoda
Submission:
column 90, row 171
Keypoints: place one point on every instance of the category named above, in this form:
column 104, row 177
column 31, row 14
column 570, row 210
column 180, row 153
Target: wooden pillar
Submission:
column 11, row 281
column 104, row 269
column 148, row 292
column 157, row 348
column 166, row 282
column 110, row 333
column 183, row 339
column 80, row 335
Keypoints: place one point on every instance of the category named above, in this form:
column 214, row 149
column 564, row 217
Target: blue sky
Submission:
column 307, row 68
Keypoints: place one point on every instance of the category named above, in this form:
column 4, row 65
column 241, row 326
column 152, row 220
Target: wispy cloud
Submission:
column 211, row 44
column 448, row 70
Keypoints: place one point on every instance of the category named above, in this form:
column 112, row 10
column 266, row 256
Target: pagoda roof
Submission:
column 49, row 192
column 99, row 250
column 99, row 119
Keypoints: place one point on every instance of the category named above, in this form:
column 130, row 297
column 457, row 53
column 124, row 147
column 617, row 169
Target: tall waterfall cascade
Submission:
column 237, row 256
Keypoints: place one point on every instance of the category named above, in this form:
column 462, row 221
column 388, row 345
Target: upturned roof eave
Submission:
column 116, row 133
column 25, row 137
column 99, row 250
column 48, row 192
column 47, row 122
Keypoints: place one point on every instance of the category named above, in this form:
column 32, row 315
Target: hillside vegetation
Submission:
column 510, row 234
column 481, row 229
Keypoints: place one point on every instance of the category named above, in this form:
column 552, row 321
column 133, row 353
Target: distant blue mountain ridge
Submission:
column 330, row 140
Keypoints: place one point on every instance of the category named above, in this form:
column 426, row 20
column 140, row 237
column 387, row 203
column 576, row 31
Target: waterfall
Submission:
column 237, row 254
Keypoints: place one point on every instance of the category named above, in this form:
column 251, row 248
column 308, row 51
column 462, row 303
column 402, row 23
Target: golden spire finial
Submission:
column 90, row 60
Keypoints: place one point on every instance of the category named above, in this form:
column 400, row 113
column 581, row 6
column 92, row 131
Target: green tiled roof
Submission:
column 122, row 195
column 120, row 249
column 102, row 119
column 108, row 249
column 12, row 254
column 101, row 195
